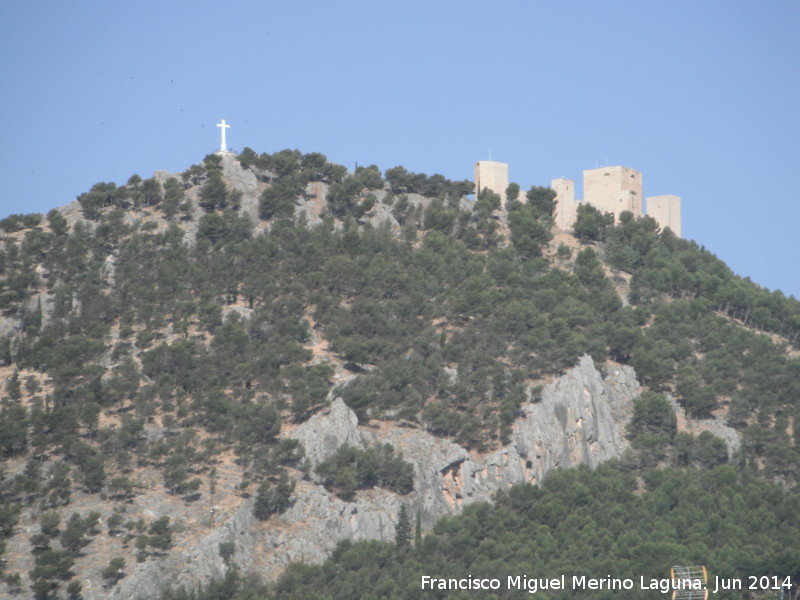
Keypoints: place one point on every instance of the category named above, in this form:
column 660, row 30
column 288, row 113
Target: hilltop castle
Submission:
column 608, row 189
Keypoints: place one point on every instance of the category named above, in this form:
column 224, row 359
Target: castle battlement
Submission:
column 614, row 190
column 609, row 189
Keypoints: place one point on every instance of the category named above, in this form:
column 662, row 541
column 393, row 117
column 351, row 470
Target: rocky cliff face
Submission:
column 578, row 419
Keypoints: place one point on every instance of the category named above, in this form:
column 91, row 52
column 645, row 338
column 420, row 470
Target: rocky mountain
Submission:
column 202, row 369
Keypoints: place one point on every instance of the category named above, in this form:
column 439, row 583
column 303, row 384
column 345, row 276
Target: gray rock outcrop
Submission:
column 189, row 567
column 579, row 418
column 324, row 433
column 716, row 427
column 243, row 180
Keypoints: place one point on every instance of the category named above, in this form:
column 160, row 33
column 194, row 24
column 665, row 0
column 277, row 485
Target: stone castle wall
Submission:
column 609, row 189
column 614, row 190
column 493, row 175
column 566, row 204
column 666, row 210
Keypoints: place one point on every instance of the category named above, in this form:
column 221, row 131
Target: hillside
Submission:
column 237, row 366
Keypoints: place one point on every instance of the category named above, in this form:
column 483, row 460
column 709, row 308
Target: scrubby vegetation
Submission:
column 351, row 469
column 163, row 342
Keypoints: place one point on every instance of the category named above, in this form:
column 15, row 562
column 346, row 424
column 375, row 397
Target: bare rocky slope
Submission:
column 579, row 419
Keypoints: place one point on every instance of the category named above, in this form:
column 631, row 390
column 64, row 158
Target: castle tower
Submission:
column 666, row 210
column 492, row 175
column 613, row 190
column 566, row 205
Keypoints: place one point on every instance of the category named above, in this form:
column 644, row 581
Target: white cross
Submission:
column 223, row 126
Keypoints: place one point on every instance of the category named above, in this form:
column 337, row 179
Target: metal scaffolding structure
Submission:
column 689, row 583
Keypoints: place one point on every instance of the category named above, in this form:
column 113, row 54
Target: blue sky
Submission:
column 702, row 97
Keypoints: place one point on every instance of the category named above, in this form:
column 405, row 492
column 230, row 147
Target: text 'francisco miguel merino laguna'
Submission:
column 536, row 584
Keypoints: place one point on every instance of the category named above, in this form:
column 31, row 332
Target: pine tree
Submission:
column 402, row 531
column 418, row 530
column 13, row 387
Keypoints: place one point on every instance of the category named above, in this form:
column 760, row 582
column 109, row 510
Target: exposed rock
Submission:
column 244, row 313
column 452, row 374
column 317, row 521
column 312, row 204
column 73, row 213
column 12, row 326
column 324, row 433
column 714, row 426
column 189, row 567
column 579, row 418
column 243, row 180
column 433, row 459
column 154, row 434
column 9, row 327
column 382, row 213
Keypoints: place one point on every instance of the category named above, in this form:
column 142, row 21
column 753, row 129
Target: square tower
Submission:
column 566, row 205
column 492, row 175
column 666, row 210
column 613, row 190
